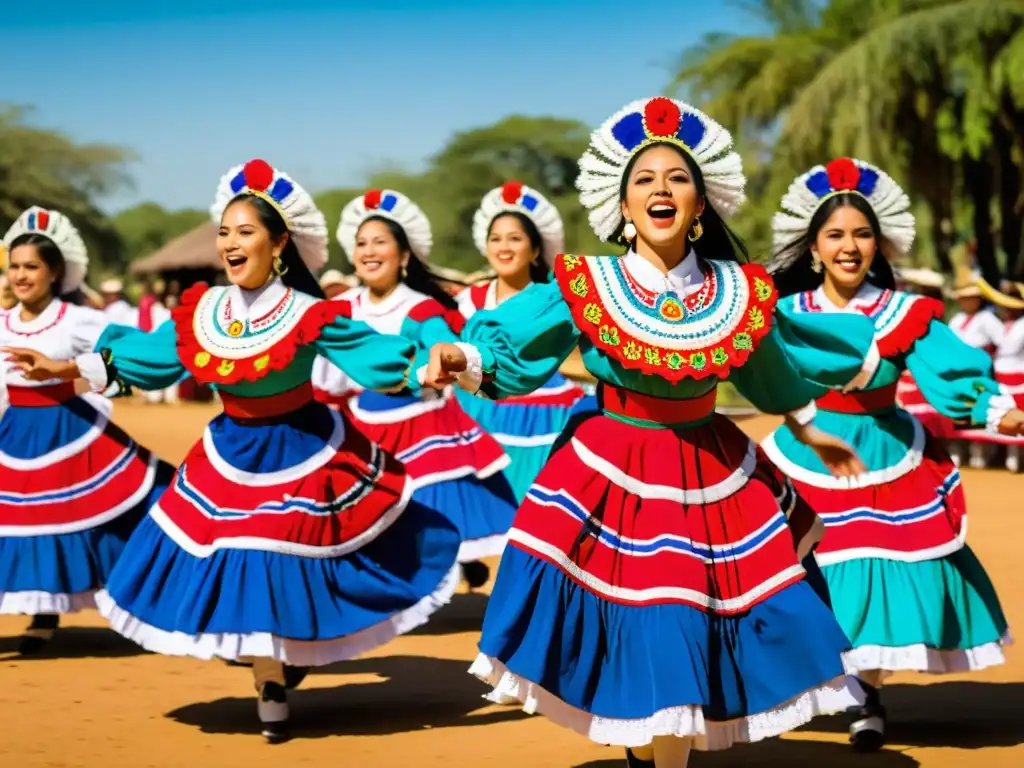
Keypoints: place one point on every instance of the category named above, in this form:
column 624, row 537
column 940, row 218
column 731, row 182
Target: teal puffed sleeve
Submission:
column 523, row 341
column 956, row 378
column 373, row 360
column 802, row 357
column 427, row 333
column 144, row 360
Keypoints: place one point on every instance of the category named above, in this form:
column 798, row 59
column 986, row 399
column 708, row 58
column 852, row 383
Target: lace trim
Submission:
column 301, row 653
column 921, row 658
column 685, row 721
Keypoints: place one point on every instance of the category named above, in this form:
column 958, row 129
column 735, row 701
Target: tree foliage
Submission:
column 929, row 89
column 44, row 167
column 146, row 227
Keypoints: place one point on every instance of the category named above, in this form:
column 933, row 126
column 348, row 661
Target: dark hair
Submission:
column 296, row 273
column 54, row 261
column 417, row 274
column 718, row 240
column 539, row 272
column 800, row 275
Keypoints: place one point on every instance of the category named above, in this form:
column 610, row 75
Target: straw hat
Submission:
column 921, row 276
column 1004, row 298
column 966, row 285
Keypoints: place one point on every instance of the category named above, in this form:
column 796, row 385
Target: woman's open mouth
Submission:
column 849, row 264
column 663, row 215
column 372, row 265
column 236, row 261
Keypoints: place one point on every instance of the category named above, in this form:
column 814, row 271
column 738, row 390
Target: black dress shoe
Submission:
column 476, row 574
column 272, row 708
column 867, row 723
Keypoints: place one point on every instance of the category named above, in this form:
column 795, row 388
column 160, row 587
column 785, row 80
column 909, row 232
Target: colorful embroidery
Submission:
column 900, row 318
column 705, row 334
column 246, row 351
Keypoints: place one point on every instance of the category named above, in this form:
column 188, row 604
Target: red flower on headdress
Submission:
column 843, row 174
column 371, row 200
column 510, row 191
column 258, row 175
column 662, row 117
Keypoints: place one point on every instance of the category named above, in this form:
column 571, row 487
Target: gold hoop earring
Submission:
column 279, row 269
column 816, row 264
column 696, row 230
column 405, row 271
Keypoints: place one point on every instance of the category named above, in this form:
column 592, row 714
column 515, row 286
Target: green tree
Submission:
column 146, row 227
column 930, row 89
column 540, row 152
column 43, row 167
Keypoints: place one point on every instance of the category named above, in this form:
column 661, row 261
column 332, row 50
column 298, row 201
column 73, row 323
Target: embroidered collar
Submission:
column 703, row 334
column 45, row 320
column 868, row 300
column 399, row 299
column 246, row 305
column 217, row 345
column 684, row 278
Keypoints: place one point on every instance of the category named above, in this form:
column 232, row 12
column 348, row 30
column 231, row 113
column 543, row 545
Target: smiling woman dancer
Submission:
column 519, row 233
column 652, row 594
column 72, row 486
column 455, row 465
column 286, row 536
column 909, row 593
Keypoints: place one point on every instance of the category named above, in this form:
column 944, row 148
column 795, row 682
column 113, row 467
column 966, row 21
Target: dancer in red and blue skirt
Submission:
column 286, row 537
column 73, row 485
column 907, row 590
column 454, row 463
column 652, row 594
column 519, row 233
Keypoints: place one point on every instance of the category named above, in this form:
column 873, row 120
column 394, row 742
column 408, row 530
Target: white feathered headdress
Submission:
column 843, row 175
column 58, row 227
column 652, row 121
column 515, row 197
column 391, row 205
column 306, row 224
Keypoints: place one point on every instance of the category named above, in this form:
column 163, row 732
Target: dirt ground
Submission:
column 97, row 700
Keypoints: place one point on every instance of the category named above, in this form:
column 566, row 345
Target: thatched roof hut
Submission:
column 193, row 251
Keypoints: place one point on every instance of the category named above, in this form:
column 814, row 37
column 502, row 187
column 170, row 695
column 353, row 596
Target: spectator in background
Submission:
column 115, row 305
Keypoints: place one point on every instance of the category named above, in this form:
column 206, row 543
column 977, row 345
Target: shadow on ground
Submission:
column 465, row 613
column 783, row 752
column 417, row 693
column 966, row 715
column 74, row 643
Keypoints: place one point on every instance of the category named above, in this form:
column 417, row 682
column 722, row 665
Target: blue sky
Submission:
column 327, row 91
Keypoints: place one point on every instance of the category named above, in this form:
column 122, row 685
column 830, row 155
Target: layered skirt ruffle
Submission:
column 906, row 589
column 651, row 587
column 455, row 465
column 295, row 539
column 525, row 427
column 73, row 487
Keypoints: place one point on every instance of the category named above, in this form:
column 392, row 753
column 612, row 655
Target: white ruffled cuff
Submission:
column 998, row 407
column 93, row 370
column 804, row 416
column 867, row 369
column 471, row 379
